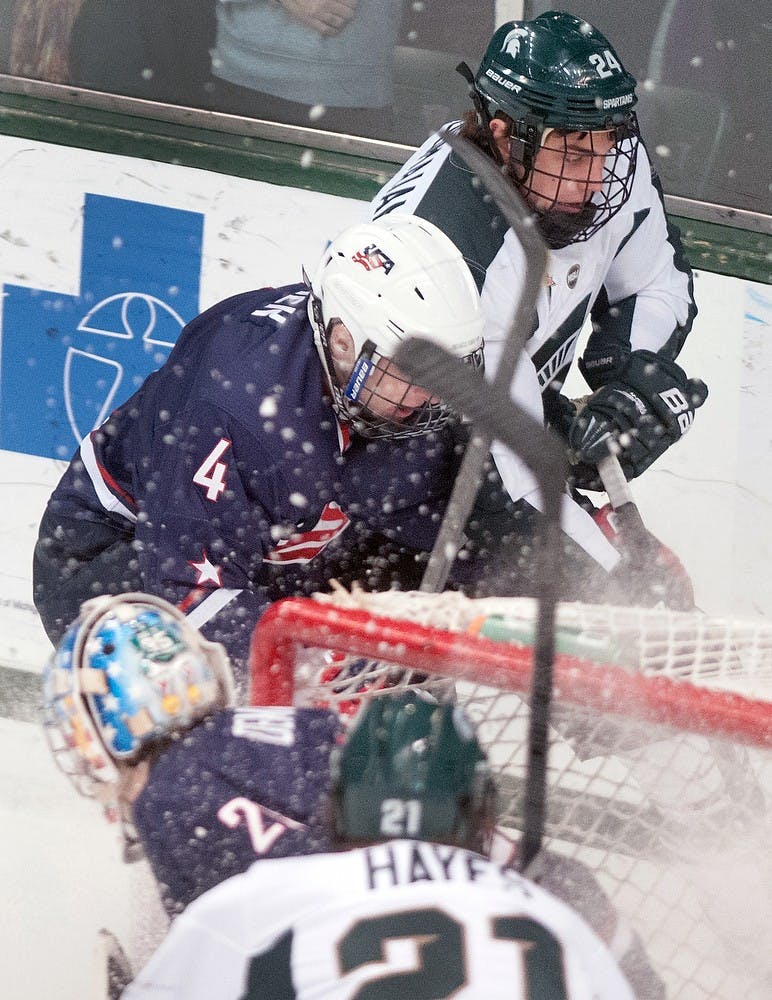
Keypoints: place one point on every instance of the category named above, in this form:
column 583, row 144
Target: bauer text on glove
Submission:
column 637, row 415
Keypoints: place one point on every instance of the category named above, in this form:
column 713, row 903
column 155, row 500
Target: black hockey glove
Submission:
column 639, row 414
column 561, row 414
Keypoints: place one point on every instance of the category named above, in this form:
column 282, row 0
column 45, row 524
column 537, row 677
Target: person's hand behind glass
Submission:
column 328, row 17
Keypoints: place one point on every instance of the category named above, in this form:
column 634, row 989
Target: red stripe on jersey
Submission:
column 303, row 546
column 193, row 597
column 111, row 484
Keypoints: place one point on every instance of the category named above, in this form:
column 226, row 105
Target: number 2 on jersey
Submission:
column 440, row 948
column 211, row 472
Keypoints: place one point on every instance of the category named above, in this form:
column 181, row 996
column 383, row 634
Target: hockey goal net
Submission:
column 660, row 760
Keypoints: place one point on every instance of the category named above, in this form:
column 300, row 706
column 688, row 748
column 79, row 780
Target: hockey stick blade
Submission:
column 490, row 410
column 497, row 416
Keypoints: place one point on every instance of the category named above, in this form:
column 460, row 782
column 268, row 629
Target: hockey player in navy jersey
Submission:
column 137, row 714
column 553, row 107
column 275, row 449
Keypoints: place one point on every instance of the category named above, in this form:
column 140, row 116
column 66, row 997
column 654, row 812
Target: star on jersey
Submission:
column 207, row 571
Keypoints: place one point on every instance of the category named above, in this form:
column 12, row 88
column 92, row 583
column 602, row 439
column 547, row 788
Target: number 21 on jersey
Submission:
column 440, row 968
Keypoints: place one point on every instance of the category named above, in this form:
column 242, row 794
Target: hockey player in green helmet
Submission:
column 554, row 109
column 418, row 909
column 554, row 103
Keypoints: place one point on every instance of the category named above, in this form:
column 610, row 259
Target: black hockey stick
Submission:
column 467, row 483
column 640, row 545
column 483, row 403
column 492, row 411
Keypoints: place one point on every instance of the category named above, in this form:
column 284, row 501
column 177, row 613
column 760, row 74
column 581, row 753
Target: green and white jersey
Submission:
column 404, row 919
column 630, row 279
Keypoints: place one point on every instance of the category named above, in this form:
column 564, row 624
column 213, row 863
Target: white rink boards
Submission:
column 709, row 499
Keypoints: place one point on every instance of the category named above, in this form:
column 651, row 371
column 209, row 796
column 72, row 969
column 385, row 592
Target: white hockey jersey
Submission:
column 630, row 278
column 404, row 919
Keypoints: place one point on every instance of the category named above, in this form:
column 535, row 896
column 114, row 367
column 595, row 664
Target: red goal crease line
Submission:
column 299, row 621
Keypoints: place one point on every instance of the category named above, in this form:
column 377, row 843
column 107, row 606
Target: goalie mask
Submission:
column 387, row 281
column 129, row 672
column 413, row 768
column 574, row 135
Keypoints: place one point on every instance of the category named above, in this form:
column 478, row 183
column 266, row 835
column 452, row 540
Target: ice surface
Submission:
column 62, row 877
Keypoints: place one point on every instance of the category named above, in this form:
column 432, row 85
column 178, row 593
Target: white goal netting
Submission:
column 660, row 761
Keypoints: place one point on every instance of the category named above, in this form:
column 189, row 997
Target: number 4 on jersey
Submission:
column 211, row 472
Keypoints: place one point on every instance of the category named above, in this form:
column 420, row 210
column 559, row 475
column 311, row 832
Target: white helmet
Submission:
column 387, row 281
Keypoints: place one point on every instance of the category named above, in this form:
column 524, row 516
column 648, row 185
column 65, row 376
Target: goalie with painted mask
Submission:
column 400, row 812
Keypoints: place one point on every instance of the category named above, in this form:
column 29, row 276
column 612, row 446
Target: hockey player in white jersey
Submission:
column 553, row 107
column 409, row 907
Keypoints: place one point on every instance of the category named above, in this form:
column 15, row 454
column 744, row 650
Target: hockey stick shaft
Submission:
column 614, row 483
column 467, row 482
column 496, row 416
column 641, row 546
column 619, row 493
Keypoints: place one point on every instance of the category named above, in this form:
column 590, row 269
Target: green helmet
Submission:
column 557, row 74
column 556, row 71
column 413, row 768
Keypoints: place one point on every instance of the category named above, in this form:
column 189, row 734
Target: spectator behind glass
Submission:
column 324, row 63
column 142, row 48
column 38, row 36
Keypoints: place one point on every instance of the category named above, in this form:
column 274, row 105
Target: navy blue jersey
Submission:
column 244, row 785
column 231, row 479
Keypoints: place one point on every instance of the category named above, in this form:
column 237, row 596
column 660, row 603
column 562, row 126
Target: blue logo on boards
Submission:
column 68, row 361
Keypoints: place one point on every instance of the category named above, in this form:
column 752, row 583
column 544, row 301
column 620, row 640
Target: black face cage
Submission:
column 616, row 172
column 363, row 396
column 353, row 402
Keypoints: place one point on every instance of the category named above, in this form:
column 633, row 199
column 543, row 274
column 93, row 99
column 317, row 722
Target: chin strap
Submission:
column 483, row 116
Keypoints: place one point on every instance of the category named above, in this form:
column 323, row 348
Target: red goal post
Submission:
column 660, row 759
column 304, row 622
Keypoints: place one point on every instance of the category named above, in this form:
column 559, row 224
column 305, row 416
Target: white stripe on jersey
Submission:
column 211, row 605
column 104, row 495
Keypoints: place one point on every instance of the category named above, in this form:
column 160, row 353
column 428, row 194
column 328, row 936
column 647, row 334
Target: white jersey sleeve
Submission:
column 649, row 268
column 403, row 919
